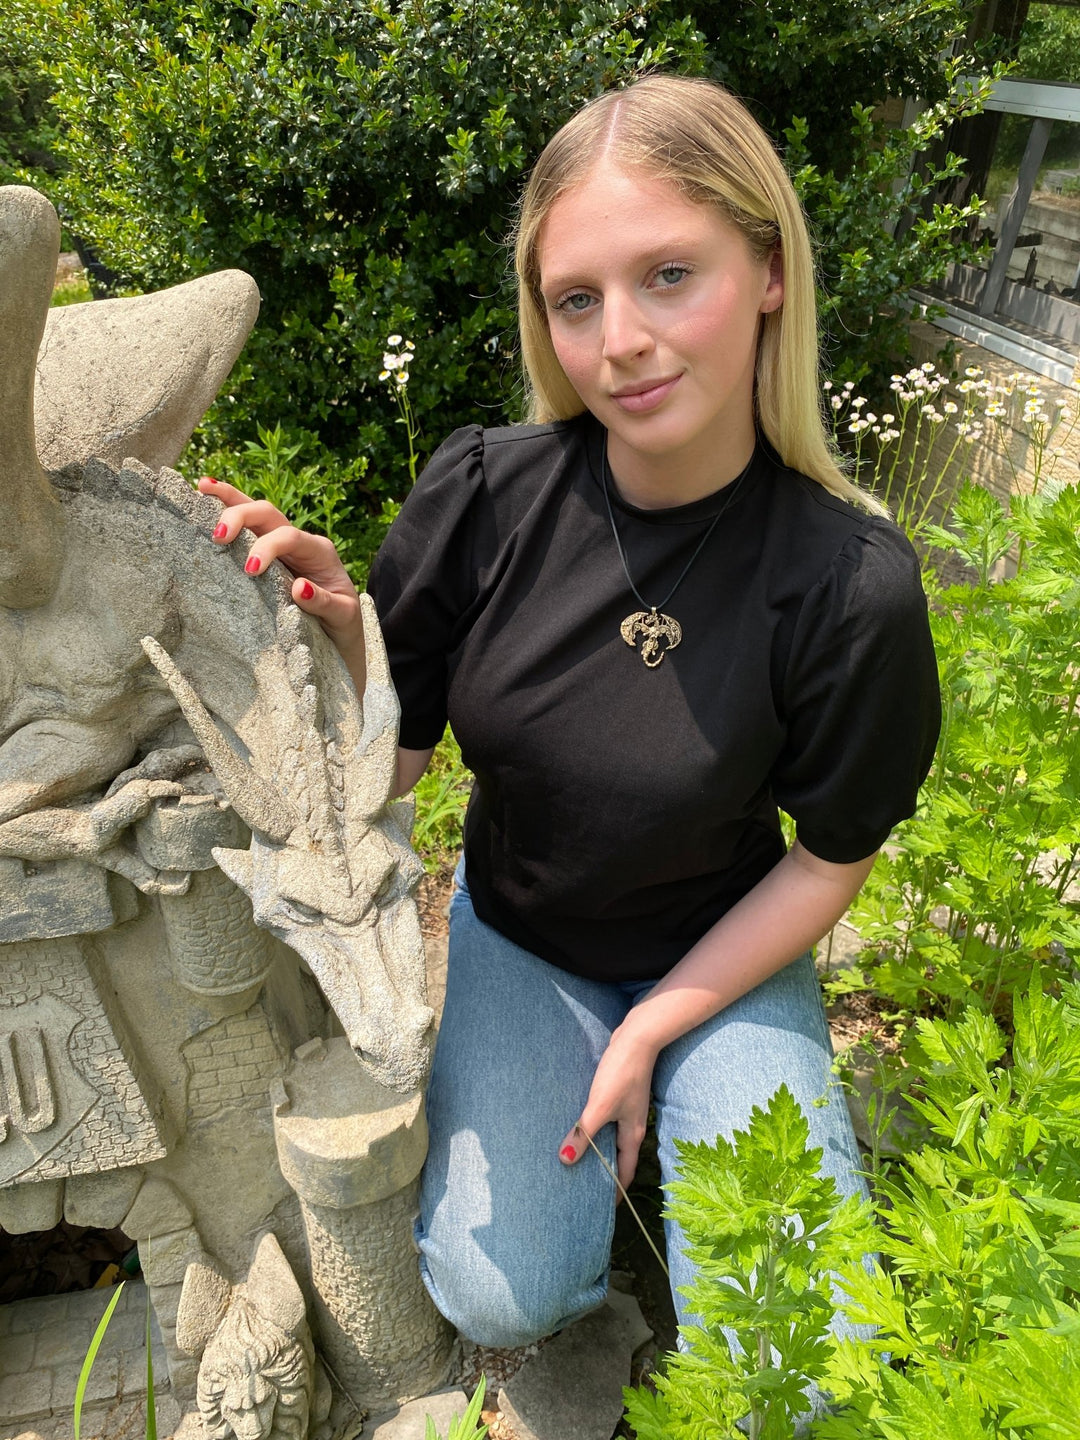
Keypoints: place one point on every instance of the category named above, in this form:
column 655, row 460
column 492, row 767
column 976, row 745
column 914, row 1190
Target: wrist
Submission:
column 637, row 1038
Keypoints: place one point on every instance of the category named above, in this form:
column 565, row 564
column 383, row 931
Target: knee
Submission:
column 489, row 1311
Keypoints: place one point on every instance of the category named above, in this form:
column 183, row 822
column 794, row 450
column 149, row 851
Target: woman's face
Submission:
column 654, row 304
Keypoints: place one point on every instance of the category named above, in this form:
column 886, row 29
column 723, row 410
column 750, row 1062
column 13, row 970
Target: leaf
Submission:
column 151, row 1409
column 916, row 1411
column 466, row 1426
column 91, row 1355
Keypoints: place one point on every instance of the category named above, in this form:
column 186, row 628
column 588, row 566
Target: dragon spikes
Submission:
column 259, row 806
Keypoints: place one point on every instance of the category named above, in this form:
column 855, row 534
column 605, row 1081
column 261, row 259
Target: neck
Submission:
column 30, row 517
column 679, row 477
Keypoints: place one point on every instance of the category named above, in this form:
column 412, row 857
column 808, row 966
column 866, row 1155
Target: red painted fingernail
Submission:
column 212, row 478
column 307, row 590
column 254, row 565
column 220, row 531
column 567, row 1153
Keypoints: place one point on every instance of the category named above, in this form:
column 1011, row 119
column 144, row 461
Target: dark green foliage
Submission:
column 1050, row 44
column 362, row 162
column 26, row 126
column 868, row 263
column 817, row 58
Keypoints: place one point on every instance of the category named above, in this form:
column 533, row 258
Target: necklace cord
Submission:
column 734, row 485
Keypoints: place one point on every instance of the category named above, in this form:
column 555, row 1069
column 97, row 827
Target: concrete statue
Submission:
column 214, row 1027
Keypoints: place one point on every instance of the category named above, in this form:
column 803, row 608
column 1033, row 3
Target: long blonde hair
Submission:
column 696, row 135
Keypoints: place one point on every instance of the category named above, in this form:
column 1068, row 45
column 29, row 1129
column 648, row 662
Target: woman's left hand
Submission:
column 620, row 1092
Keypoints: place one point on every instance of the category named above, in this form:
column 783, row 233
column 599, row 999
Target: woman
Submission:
column 651, row 617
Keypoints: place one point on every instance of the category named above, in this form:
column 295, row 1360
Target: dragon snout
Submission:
column 396, row 1049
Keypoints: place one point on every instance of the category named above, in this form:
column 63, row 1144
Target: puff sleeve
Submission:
column 423, row 581
column 860, row 699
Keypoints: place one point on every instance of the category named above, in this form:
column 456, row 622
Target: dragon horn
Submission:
column 260, row 807
column 379, row 741
column 31, row 552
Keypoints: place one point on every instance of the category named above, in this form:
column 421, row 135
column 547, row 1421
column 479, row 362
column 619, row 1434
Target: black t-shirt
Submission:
column 620, row 810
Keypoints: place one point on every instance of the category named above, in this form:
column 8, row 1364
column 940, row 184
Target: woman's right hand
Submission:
column 321, row 587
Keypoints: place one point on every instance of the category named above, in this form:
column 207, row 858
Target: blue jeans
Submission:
column 514, row 1245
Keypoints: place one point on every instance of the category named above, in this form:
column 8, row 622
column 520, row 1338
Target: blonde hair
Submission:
column 697, row 136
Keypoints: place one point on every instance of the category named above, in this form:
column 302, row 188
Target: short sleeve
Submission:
column 860, row 699
column 423, row 580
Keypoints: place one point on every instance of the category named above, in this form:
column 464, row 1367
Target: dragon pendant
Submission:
column 657, row 632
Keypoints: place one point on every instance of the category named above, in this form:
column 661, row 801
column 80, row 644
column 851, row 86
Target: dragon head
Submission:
column 329, row 870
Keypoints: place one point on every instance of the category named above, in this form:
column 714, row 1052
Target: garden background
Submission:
column 361, row 161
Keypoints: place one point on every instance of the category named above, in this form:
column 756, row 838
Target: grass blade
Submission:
column 91, row 1356
column 151, row 1412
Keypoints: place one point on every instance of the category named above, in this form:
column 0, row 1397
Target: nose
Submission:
column 395, row 1048
column 626, row 333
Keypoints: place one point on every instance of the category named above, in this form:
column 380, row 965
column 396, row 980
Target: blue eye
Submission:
column 672, row 274
column 577, row 303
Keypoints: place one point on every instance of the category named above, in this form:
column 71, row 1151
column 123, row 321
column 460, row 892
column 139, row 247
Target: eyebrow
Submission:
column 667, row 249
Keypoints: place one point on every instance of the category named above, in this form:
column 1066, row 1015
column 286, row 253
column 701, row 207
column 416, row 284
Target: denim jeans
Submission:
column 514, row 1245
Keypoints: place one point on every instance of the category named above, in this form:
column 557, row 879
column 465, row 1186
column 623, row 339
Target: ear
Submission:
column 774, row 290
column 204, row 1299
column 272, row 1288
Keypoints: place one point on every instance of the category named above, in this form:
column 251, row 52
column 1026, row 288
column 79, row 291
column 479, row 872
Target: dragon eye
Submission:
column 300, row 913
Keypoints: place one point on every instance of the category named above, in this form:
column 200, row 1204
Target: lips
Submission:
column 636, row 399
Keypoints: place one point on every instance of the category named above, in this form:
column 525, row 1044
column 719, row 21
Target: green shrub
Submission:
column 362, row 162
column 26, row 123
column 977, row 1302
column 1050, row 44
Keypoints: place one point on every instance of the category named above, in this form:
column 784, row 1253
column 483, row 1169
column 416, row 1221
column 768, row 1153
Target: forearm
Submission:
column 797, row 903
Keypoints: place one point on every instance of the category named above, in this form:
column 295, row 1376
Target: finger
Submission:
column 227, row 494
column 575, row 1144
column 258, row 516
column 336, row 613
column 628, row 1148
column 312, row 557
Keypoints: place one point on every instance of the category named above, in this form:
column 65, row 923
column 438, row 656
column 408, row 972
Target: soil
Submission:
column 58, row 1261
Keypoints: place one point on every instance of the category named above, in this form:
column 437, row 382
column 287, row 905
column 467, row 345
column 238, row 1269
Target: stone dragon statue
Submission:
column 135, row 654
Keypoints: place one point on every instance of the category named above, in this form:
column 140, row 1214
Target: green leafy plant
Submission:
column 869, row 262
column 980, row 1231
column 463, row 1427
column 976, row 1300
column 766, row 1231
column 973, row 894
column 442, row 793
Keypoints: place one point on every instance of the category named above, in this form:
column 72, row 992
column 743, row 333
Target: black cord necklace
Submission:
column 658, row 632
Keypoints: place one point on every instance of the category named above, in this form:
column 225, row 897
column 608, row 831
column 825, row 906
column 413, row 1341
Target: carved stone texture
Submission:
column 55, row 898
column 257, row 1377
column 384, row 1338
column 214, row 944
column 101, row 1200
column 70, row 1102
column 232, row 1065
column 174, row 732
column 352, row 1152
column 182, row 834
